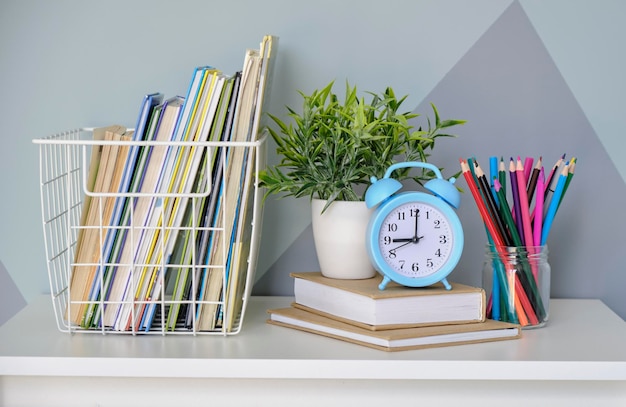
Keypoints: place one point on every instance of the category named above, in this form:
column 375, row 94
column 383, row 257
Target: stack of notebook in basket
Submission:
column 397, row 318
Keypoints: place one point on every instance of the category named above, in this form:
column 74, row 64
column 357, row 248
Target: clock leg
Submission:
column 446, row 284
column 384, row 283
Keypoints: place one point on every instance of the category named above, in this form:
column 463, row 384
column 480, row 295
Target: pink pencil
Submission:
column 523, row 203
column 528, row 166
column 538, row 213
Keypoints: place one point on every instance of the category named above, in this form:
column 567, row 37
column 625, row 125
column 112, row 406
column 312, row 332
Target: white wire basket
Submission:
column 164, row 292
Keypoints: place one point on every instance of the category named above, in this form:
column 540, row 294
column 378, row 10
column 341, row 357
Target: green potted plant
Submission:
column 332, row 148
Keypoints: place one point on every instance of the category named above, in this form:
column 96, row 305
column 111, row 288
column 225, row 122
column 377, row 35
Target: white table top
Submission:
column 583, row 340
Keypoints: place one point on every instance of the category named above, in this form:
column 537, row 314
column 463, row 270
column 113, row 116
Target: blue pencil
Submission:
column 493, row 172
column 495, row 289
column 554, row 205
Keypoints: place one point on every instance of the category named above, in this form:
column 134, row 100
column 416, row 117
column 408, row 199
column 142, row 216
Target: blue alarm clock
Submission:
column 414, row 238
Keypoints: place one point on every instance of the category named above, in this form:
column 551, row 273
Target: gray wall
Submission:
column 528, row 77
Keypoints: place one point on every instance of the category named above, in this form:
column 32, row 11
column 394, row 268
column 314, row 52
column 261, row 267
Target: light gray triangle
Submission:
column 517, row 103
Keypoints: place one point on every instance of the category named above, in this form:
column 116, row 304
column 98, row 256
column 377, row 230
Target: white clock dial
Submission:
column 416, row 239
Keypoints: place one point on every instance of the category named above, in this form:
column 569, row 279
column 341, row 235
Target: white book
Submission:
column 360, row 302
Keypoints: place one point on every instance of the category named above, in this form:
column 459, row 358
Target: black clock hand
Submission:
column 407, row 239
column 402, row 245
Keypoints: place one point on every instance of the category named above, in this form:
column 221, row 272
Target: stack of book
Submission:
column 397, row 318
column 165, row 231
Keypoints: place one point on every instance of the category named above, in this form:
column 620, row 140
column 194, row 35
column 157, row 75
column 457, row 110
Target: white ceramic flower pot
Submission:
column 339, row 235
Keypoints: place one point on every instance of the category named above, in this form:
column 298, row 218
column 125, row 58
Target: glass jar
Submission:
column 517, row 284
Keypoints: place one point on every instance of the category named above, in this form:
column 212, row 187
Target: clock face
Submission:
column 416, row 239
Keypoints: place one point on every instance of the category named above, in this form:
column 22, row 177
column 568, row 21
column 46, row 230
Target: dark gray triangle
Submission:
column 517, row 103
column 300, row 256
column 12, row 298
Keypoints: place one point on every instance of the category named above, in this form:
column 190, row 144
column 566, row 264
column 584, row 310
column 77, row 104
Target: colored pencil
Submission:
column 570, row 175
column 523, row 321
column 524, row 204
column 554, row 204
column 532, row 183
column 495, row 295
column 553, row 172
column 526, row 305
column 502, row 175
column 495, row 285
column 492, row 209
column 538, row 212
column 528, row 165
column 482, row 209
column 505, row 211
column 547, row 187
column 493, row 171
column 516, row 206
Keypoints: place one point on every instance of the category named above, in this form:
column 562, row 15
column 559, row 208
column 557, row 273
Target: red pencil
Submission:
column 492, row 209
column 482, row 209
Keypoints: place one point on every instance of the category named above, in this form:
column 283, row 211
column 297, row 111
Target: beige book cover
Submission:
column 395, row 339
column 101, row 172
